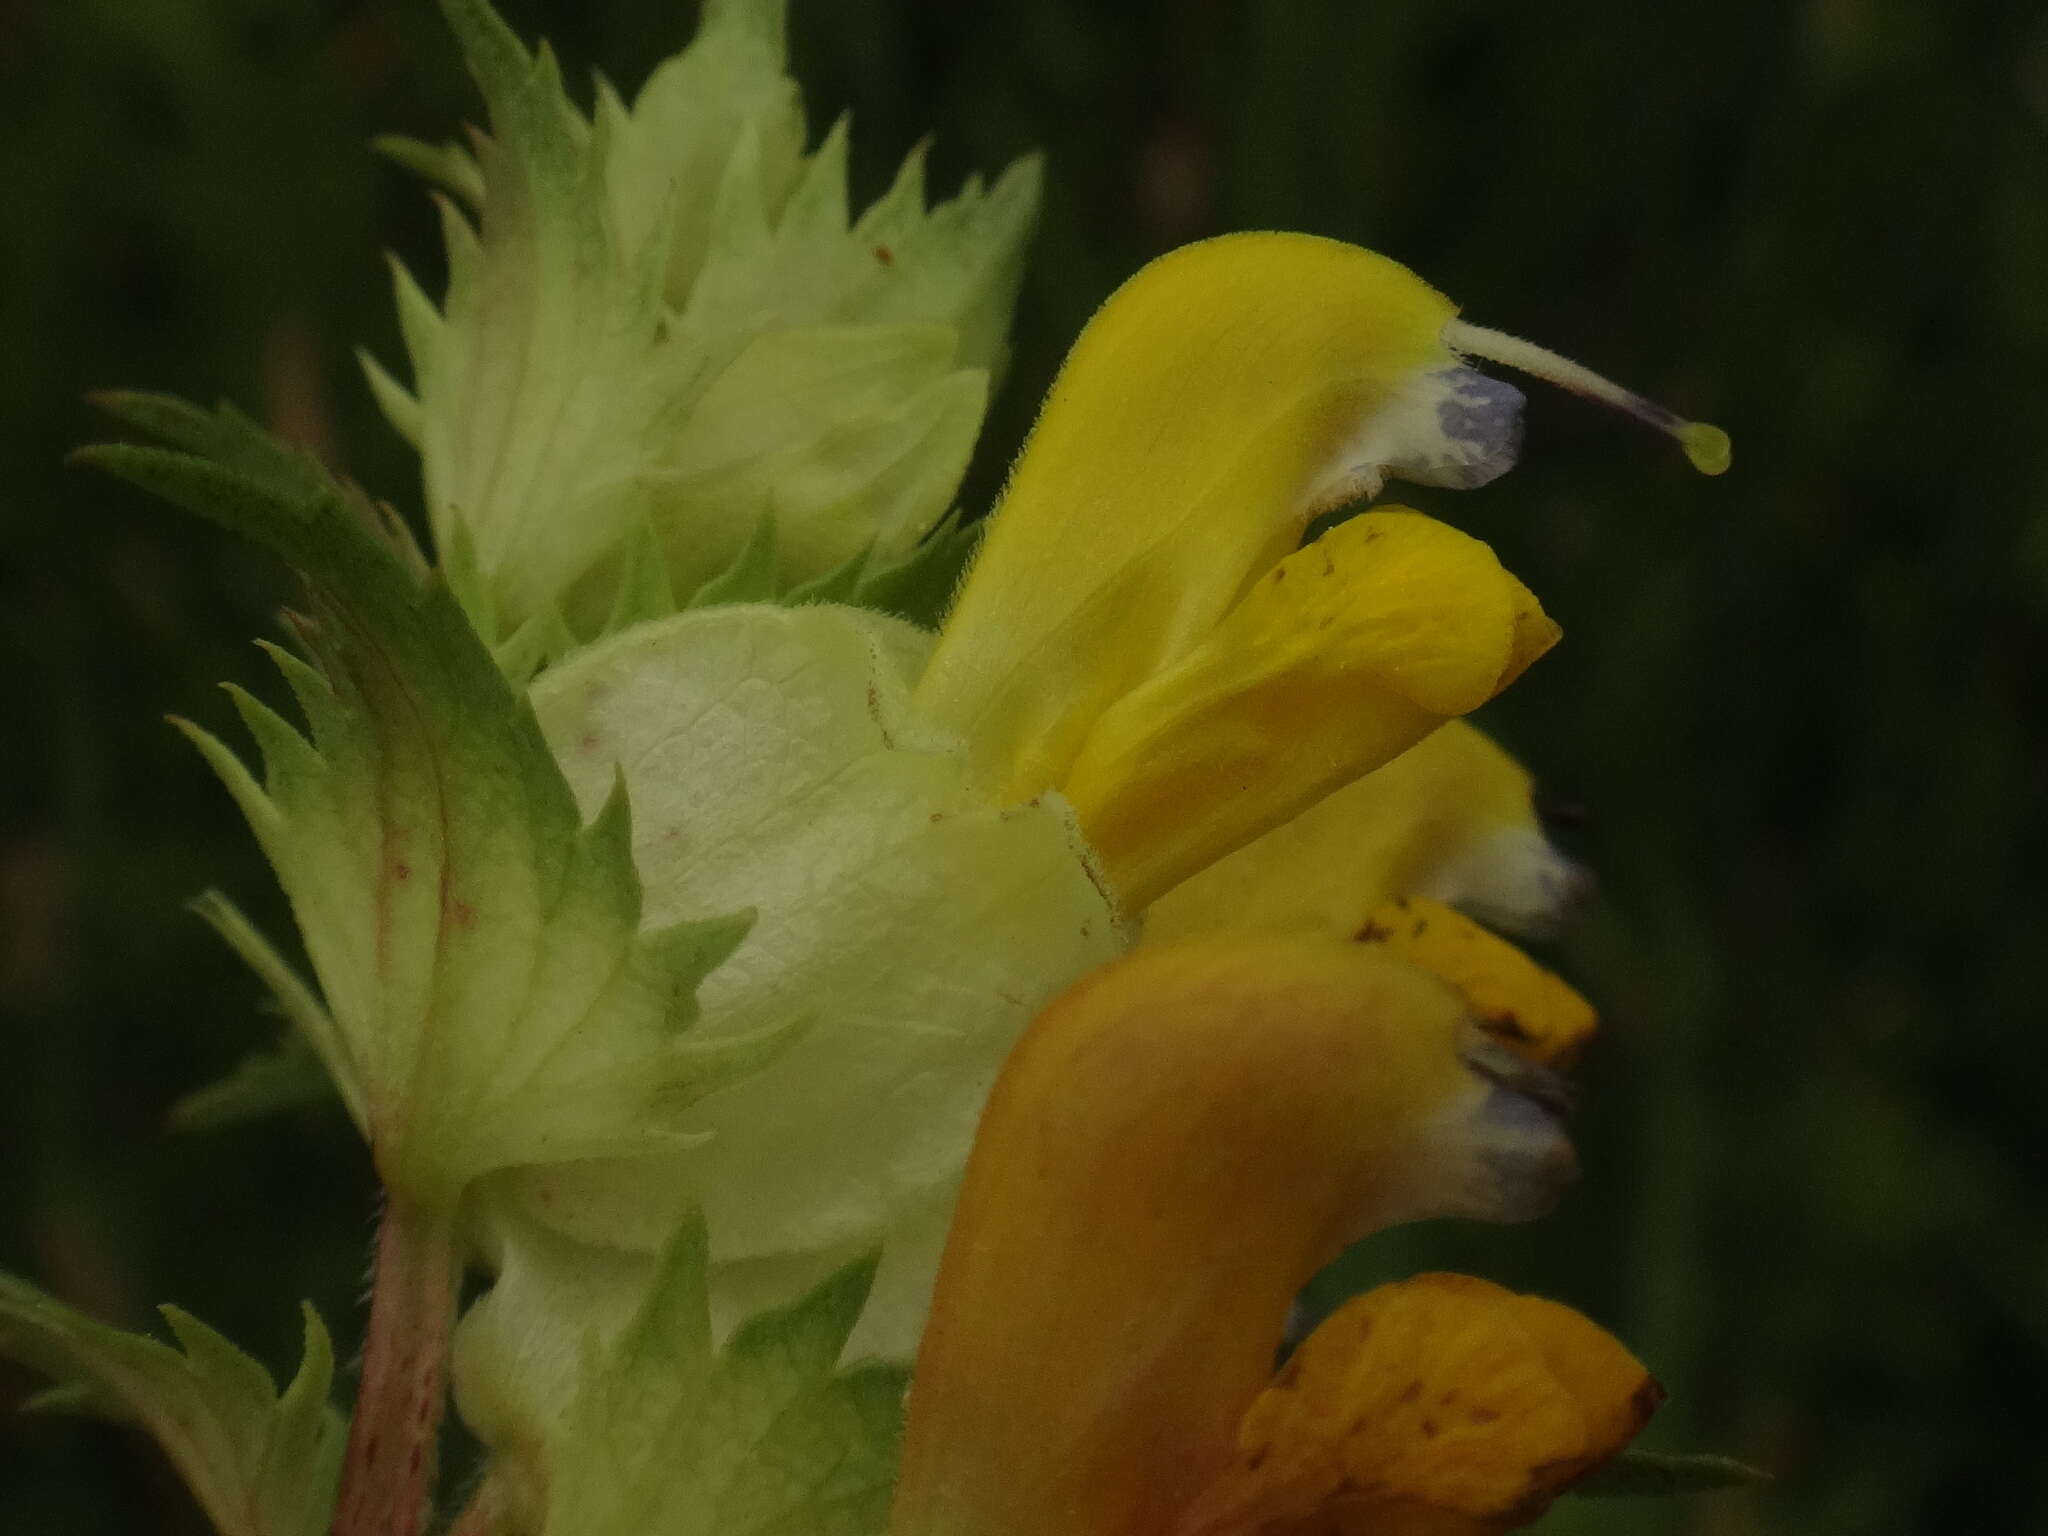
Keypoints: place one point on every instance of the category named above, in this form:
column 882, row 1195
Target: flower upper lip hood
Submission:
column 1113, row 640
column 1140, row 630
column 1199, row 423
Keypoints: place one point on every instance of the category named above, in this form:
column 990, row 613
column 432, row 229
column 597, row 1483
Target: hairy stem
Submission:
column 387, row 1472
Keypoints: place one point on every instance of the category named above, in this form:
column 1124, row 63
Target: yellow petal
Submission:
column 1452, row 818
column 1438, row 1405
column 1515, row 1000
column 1205, row 414
column 1342, row 657
column 1174, row 1147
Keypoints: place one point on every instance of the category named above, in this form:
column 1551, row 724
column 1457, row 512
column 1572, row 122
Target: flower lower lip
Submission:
column 1548, row 1090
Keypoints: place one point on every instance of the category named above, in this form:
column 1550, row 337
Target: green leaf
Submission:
column 920, row 587
column 753, row 576
column 448, row 165
column 285, row 1076
column 664, row 317
column 666, row 1436
column 917, row 587
column 533, row 645
column 260, row 1464
column 488, row 996
column 1659, row 1475
column 644, row 590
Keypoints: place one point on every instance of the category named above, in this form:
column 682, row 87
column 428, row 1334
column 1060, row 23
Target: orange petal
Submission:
column 1176, row 1145
column 1437, row 1405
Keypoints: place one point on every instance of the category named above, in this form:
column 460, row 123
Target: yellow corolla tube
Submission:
column 1140, row 630
column 1175, row 1146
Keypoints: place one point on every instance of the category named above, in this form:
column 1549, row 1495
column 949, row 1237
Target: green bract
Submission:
column 667, row 934
column 260, row 1464
column 489, row 995
column 661, row 326
column 677, row 411
column 630, row 1421
column 764, row 1435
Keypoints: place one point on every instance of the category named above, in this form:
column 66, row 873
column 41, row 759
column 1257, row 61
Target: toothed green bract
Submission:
column 260, row 1463
column 662, row 317
column 486, row 997
column 766, row 1435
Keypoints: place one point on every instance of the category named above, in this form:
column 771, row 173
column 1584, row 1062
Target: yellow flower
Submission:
column 1140, row 631
column 1176, row 1145
column 1145, row 690
column 1452, row 818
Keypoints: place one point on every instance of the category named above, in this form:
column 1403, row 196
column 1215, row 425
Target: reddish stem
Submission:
column 387, row 1471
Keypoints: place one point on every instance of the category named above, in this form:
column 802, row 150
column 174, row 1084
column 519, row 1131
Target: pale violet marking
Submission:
column 1479, row 432
column 1454, row 427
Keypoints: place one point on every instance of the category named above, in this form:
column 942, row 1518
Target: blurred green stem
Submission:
column 388, row 1469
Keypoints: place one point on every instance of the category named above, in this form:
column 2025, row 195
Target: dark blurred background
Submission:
column 1800, row 705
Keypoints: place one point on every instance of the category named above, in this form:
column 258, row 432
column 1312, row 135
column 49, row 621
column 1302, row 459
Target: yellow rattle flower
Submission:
column 1177, row 1144
column 1140, row 631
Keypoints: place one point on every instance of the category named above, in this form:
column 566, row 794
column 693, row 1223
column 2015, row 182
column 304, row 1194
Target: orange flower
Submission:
column 1176, row 1145
column 1438, row 1406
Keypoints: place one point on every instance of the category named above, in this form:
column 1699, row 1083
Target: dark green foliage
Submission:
column 1802, row 703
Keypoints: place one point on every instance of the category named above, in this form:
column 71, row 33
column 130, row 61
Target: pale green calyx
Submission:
column 774, row 763
column 662, row 325
column 487, row 996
